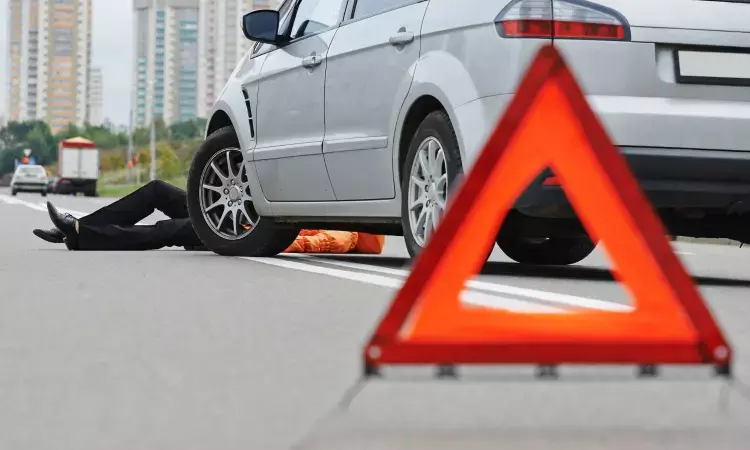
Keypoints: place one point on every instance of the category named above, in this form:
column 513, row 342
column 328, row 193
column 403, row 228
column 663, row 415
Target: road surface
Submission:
column 188, row 350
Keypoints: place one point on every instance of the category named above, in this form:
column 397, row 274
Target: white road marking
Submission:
column 552, row 297
column 37, row 206
column 473, row 297
column 43, row 207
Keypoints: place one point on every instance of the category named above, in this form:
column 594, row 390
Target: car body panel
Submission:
column 683, row 14
column 634, row 92
column 367, row 79
column 291, row 123
column 473, row 72
column 459, row 66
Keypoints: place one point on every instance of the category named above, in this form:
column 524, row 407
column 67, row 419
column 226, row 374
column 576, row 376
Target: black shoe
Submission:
column 52, row 235
column 66, row 224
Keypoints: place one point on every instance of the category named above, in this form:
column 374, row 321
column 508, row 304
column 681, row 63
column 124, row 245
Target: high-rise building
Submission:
column 96, row 98
column 49, row 61
column 166, row 60
column 222, row 44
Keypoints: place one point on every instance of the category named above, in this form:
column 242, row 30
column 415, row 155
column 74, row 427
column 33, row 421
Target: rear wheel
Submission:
column 44, row 193
column 221, row 204
column 432, row 166
column 13, row 192
column 554, row 251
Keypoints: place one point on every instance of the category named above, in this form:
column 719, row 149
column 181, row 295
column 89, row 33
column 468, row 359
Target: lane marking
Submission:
column 552, row 297
column 473, row 297
column 43, row 207
column 38, row 206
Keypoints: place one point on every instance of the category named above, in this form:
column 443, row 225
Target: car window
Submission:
column 25, row 170
column 314, row 16
column 284, row 16
column 364, row 8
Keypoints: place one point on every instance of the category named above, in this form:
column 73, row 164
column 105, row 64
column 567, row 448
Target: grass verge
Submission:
column 121, row 190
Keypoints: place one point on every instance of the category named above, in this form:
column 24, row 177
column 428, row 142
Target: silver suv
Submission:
column 363, row 114
column 29, row 178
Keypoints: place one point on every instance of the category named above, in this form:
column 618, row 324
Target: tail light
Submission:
column 561, row 19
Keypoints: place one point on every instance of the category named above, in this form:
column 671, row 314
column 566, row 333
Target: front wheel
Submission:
column 221, row 205
column 44, row 193
column 553, row 251
column 432, row 167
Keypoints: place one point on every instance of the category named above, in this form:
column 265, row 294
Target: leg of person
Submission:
column 131, row 209
column 165, row 233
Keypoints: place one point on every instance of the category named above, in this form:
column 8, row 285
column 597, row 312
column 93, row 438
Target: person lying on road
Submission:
column 115, row 227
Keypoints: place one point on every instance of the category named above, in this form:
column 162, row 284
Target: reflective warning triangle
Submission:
column 549, row 124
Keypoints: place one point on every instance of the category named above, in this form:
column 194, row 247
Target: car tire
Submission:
column 553, row 251
column 13, row 192
column 435, row 128
column 264, row 237
column 44, row 193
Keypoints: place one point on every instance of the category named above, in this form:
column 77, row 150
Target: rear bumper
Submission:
column 32, row 187
column 672, row 179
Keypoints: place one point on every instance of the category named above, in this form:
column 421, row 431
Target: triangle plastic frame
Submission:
column 549, row 124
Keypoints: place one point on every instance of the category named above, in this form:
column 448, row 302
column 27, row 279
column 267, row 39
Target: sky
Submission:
column 112, row 49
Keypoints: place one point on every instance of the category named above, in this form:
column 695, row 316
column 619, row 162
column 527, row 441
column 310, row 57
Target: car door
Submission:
column 368, row 76
column 291, row 110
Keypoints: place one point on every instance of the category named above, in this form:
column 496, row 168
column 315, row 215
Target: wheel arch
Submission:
column 219, row 120
column 418, row 111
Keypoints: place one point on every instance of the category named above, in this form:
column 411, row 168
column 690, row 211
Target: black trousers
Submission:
column 114, row 226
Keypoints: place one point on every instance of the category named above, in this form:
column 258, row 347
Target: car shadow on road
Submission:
column 511, row 269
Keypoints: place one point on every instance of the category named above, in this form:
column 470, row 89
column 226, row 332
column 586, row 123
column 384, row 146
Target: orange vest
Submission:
column 327, row 241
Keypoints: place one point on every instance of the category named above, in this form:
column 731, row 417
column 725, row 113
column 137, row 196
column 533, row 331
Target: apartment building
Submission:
column 49, row 61
column 96, row 97
column 185, row 51
column 166, row 60
column 222, row 44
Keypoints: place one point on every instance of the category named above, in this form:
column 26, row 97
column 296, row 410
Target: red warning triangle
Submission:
column 549, row 124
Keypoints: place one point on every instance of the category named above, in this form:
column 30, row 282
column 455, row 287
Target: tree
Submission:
column 17, row 136
column 42, row 144
column 189, row 129
column 167, row 162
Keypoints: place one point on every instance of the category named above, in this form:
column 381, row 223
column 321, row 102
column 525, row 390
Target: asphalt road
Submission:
column 188, row 350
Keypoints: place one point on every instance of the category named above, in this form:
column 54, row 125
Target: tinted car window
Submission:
column 314, row 16
column 284, row 15
column 364, row 8
column 30, row 170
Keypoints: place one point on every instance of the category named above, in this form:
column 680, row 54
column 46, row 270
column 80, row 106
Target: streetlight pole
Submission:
column 130, row 148
column 152, row 169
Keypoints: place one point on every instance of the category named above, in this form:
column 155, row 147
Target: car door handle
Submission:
column 312, row 61
column 402, row 38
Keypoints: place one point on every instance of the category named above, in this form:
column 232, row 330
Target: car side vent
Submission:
column 249, row 112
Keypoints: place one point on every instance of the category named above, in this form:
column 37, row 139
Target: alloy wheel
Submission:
column 428, row 190
column 225, row 199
